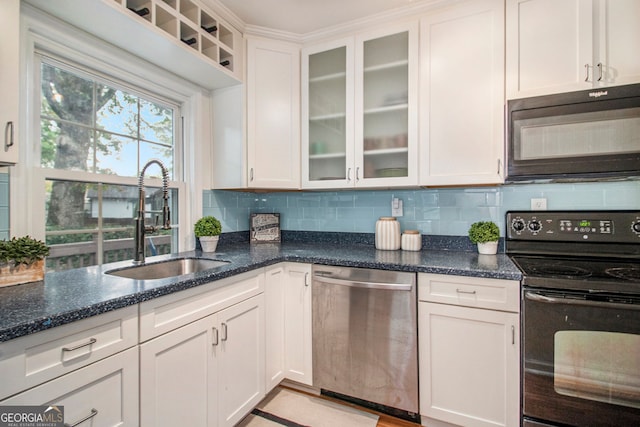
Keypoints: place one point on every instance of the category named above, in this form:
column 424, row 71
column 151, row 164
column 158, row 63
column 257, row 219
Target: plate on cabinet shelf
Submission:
column 391, row 172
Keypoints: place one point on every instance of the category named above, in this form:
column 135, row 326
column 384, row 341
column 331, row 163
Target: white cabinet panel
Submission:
column 469, row 350
column 104, row 393
column 36, row 358
column 240, row 354
column 570, row 45
column 297, row 323
column 274, row 307
column 178, row 381
column 273, row 114
column 462, row 95
column 9, row 79
column 469, row 364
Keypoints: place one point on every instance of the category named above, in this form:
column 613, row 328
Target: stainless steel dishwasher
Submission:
column 365, row 337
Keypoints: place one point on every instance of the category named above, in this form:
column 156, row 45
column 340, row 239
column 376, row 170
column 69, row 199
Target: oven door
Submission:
column 581, row 359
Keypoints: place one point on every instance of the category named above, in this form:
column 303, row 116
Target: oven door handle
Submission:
column 534, row 296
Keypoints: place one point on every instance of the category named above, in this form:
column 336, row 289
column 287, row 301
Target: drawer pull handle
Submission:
column 93, row 413
column 88, row 343
column 461, row 291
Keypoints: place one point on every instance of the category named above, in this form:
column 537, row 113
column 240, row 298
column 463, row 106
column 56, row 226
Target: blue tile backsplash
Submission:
column 442, row 211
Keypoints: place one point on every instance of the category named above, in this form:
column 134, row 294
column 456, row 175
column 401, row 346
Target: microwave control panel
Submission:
column 574, row 226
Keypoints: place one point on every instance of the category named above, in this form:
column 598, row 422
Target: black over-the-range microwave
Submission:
column 584, row 135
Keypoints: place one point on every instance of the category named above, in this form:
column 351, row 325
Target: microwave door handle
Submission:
column 533, row 296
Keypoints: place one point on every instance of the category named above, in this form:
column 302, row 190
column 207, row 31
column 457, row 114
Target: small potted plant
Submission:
column 486, row 235
column 208, row 230
column 22, row 260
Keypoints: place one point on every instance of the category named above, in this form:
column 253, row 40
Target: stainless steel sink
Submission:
column 165, row 269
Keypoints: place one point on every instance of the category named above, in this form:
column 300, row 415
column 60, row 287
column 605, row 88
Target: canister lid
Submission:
column 411, row 232
column 387, row 218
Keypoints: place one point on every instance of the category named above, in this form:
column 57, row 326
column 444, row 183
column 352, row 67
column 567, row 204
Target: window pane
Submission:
column 116, row 155
column 150, row 151
column 156, row 123
column 117, row 112
column 66, row 96
column 90, row 126
column 89, row 224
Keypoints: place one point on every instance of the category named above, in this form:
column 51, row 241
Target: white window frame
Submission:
column 41, row 32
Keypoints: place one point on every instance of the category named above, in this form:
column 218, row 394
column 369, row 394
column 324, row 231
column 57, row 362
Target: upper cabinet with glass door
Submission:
column 561, row 46
column 359, row 111
column 327, row 115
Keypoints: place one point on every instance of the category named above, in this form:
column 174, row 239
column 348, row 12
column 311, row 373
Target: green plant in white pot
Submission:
column 486, row 235
column 208, row 230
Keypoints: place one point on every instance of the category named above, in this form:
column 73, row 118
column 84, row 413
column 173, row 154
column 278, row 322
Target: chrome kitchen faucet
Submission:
column 140, row 228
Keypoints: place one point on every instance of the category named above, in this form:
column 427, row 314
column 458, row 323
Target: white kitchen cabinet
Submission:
column 273, row 114
column 202, row 353
column 102, row 394
column 36, row 358
column 462, row 94
column 469, row 350
column 241, row 353
column 571, row 45
column 297, row 324
column 207, row 373
column 9, row 79
column 178, row 379
column 359, row 110
column 288, row 324
column 274, row 307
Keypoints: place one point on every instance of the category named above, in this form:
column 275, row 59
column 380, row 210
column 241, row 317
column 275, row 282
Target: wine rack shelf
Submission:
column 189, row 22
column 181, row 36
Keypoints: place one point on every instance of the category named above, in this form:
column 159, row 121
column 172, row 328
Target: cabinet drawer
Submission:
column 494, row 294
column 169, row 312
column 104, row 394
column 34, row 359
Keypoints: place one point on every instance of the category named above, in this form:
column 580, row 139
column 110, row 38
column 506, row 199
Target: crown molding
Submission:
column 410, row 11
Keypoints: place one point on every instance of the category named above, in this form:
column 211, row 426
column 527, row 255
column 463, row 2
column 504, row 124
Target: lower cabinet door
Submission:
column 297, row 324
column 99, row 395
column 469, row 365
column 241, row 358
column 178, row 377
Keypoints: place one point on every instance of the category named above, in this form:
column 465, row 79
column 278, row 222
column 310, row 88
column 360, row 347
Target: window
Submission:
column 96, row 135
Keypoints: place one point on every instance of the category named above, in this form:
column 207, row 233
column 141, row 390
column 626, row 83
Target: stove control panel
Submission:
column 574, row 226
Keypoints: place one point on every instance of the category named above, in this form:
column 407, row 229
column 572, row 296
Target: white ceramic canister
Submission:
column 387, row 234
column 411, row 240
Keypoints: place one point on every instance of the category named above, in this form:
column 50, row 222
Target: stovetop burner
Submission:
column 558, row 270
column 625, row 273
column 584, row 274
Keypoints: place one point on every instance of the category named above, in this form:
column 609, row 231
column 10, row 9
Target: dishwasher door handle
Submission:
column 366, row 285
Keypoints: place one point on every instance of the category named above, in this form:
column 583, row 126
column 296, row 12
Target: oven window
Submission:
column 598, row 365
column 584, row 134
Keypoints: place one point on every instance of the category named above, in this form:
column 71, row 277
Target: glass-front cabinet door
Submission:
column 386, row 127
column 359, row 111
column 327, row 111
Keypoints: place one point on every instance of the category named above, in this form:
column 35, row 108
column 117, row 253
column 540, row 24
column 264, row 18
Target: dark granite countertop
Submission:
column 67, row 296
